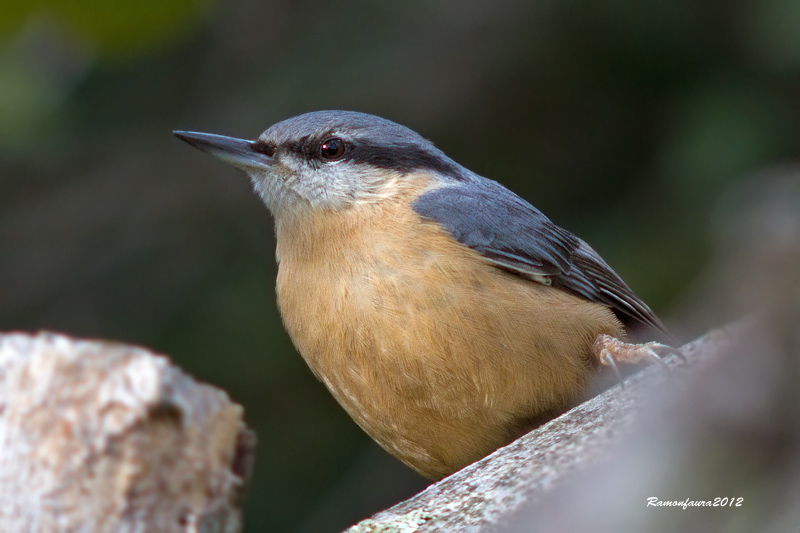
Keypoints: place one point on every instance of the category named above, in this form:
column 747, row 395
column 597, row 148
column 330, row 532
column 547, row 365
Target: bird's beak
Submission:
column 237, row 152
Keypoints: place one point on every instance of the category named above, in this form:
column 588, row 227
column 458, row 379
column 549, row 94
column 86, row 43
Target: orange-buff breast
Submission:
column 438, row 355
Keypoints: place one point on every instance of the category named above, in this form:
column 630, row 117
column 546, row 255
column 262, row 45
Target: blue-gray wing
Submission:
column 517, row 237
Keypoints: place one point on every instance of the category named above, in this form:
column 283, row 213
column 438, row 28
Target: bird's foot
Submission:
column 611, row 352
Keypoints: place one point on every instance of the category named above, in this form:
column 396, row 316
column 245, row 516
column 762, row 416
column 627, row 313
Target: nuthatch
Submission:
column 446, row 314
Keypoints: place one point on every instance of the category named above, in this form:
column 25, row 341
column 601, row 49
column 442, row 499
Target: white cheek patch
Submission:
column 335, row 185
column 275, row 188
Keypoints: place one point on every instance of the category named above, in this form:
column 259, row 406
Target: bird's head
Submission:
column 327, row 159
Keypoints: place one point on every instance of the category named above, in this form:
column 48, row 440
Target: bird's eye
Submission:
column 333, row 149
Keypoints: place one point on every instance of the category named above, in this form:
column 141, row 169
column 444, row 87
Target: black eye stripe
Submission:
column 403, row 158
column 263, row 147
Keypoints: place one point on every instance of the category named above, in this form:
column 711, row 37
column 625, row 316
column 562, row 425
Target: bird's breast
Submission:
column 438, row 355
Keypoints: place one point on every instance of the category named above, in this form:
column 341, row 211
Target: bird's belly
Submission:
column 436, row 354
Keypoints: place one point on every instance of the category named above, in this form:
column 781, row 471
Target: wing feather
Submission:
column 517, row 237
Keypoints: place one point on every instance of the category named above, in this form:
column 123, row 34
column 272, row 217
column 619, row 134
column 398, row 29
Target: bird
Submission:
column 445, row 314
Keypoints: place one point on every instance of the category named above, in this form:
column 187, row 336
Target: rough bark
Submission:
column 97, row 436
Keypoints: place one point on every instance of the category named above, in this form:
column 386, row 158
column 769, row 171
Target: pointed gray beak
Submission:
column 237, row 152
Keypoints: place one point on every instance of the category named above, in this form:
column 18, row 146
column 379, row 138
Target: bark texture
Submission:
column 97, row 436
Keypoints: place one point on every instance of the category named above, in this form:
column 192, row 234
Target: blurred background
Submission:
column 641, row 127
